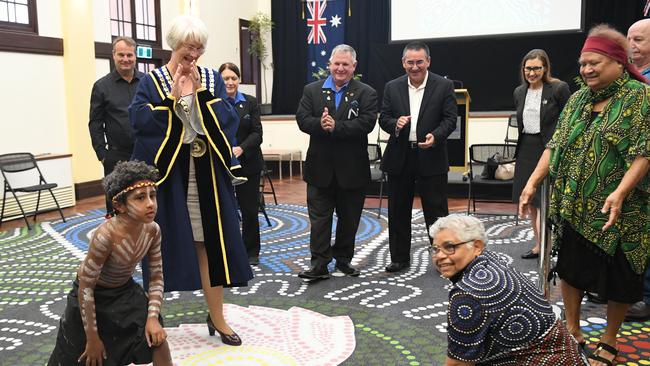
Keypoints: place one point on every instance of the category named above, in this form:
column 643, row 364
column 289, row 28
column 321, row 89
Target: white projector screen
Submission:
column 431, row 19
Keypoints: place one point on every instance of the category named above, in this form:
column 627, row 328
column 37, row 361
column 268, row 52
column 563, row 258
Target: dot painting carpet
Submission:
column 374, row 319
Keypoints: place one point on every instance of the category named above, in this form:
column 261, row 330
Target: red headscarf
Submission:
column 613, row 50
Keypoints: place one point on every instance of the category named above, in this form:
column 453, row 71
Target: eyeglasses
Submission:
column 195, row 49
column 447, row 247
column 533, row 68
column 411, row 63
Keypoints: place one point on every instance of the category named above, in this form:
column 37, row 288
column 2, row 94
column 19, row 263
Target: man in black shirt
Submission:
column 110, row 130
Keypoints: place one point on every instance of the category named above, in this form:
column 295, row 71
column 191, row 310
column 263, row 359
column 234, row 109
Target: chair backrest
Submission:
column 479, row 153
column 17, row 162
column 374, row 153
column 512, row 123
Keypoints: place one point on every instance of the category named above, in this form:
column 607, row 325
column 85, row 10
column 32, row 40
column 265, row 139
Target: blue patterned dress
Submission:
column 498, row 317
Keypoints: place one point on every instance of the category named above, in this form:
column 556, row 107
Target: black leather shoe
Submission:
column 315, row 273
column 397, row 266
column 530, row 255
column 347, row 269
column 638, row 311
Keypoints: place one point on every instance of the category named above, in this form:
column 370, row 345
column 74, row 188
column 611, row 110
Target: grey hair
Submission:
column 465, row 227
column 187, row 28
column 345, row 48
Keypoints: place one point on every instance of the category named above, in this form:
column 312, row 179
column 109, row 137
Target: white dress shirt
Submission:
column 415, row 101
column 531, row 114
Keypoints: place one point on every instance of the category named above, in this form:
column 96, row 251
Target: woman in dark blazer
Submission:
column 249, row 153
column 538, row 100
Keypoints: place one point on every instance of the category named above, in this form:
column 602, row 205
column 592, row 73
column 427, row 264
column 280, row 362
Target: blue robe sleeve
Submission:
column 232, row 123
column 159, row 132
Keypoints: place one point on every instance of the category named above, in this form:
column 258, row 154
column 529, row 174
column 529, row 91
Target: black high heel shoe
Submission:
column 229, row 339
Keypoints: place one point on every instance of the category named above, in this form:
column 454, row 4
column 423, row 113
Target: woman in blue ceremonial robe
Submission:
column 184, row 126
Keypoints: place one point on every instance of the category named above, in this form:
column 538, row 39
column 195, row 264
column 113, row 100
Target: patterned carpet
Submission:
column 374, row 319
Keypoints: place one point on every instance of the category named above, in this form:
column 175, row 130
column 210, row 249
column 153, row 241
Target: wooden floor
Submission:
column 288, row 190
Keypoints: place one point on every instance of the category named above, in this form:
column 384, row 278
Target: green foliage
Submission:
column 259, row 25
column 324, row 73
column 320, row 74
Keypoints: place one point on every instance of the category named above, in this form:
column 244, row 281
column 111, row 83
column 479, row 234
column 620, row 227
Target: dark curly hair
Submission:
column 125, row 174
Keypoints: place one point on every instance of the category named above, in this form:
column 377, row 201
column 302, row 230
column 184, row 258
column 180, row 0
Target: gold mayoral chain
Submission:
column 199, row 147
column 185, row 106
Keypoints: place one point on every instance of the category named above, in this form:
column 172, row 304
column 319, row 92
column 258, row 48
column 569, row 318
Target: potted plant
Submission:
column 259, row 27
column 325, row 73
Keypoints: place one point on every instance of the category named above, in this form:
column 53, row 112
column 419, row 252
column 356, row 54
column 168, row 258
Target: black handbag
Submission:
column 491, row 166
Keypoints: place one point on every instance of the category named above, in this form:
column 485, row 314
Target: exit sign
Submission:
column 144, row 52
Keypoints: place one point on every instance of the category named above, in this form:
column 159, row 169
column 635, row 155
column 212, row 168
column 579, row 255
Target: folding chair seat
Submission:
column 18, row 163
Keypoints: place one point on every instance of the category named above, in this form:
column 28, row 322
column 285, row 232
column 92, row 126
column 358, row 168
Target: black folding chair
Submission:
column 512, row 124
column 376, row 174
column 478, row 157
column 266, row 175
column 22, row 162
column 262, row 202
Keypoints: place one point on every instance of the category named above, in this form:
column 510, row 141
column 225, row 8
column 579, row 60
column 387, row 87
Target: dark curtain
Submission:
column 488, row 67
column 366, row 28
column 289, row 55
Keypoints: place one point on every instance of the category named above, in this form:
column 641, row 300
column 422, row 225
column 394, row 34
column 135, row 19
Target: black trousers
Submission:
column 248, row 198
column 321, row 204
column 401, row 190
column 111, row 158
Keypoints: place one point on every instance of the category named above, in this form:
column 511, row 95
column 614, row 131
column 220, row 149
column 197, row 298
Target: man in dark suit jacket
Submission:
column 337, row 113
column 419, row 112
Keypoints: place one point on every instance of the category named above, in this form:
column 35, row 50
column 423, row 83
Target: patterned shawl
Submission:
column 589, row 157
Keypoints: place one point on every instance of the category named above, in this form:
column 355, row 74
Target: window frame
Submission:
column 22, row 38
column 32, row 27
column 132, row 20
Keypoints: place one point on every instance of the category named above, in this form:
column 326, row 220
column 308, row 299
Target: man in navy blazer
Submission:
column 337, row 113
column 419, row 112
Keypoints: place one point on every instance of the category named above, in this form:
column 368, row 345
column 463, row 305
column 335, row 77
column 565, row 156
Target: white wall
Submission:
column 223, row 44
column 33, row 110
column 101, row 21
column 49, row 18
column 488, row 130
column 34, row 115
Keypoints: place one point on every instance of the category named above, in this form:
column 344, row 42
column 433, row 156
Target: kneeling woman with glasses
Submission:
column 496, row 316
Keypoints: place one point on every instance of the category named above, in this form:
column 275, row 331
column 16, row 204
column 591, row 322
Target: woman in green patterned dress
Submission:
column 598, row 160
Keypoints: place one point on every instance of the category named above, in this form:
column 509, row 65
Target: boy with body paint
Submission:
column 109, row 320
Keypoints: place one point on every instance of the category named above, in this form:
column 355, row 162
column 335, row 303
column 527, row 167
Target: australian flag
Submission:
column 325, row 30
